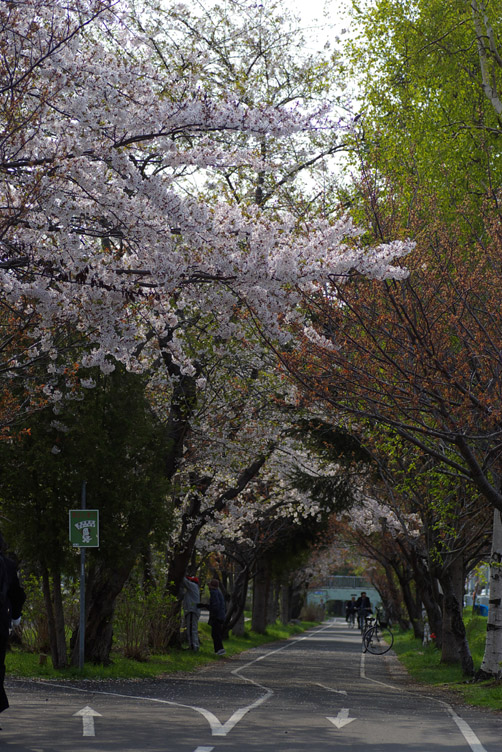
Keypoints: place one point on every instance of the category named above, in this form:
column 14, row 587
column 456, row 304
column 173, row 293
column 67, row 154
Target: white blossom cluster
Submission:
column 96, row 232
column 374, row 516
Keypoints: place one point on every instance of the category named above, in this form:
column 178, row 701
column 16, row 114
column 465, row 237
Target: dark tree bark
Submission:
column 237, row 602
column 104, row 584
column 59, row 620
column 455, row 645
column 58, row 649
column 432, row 602
column 261, row 589
column 273, row 602
column 285, row 603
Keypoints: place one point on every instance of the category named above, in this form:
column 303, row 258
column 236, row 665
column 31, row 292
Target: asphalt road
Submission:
column 314, row 693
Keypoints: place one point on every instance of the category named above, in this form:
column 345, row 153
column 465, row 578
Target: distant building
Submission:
column 336, row 590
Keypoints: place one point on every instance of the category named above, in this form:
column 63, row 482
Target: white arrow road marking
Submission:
column 204, row 749
column 342, row 718
column 222, row 729
column 88, row 715
column 217, row 728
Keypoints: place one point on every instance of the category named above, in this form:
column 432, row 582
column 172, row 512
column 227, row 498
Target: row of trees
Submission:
column 420, row 358
column 191, row 326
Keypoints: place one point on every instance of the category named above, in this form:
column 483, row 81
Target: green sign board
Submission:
column 84, row 528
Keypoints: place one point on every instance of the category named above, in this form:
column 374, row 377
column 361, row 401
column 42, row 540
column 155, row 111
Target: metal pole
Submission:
column 81, row 630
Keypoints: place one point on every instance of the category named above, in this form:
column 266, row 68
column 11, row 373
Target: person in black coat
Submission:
column 12, row 598
column 217, row 610
column 363, row 605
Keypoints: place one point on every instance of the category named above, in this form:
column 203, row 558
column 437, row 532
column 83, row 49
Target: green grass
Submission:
column 424, row 665
column 22, row 664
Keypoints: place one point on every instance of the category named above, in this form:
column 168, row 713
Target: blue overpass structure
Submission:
column 335, row 591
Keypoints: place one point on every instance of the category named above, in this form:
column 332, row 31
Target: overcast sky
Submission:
column 325, row 18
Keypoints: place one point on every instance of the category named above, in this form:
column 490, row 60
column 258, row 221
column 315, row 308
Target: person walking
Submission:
column 217, row 612
column 12, row 598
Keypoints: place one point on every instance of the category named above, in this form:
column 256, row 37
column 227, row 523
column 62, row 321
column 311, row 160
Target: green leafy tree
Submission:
column 429, row 118
column 108, row 437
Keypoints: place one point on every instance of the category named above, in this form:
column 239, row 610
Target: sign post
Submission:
column 84, row 533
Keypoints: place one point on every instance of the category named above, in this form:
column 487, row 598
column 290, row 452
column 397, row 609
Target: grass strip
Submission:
column 22, row 664
column 423, row 664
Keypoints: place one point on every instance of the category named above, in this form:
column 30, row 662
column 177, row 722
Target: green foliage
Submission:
column 143, row 620
column 106, row 436
column 335, row 447
column 34, row 626
column 424, row 665
column 427, row 122
column 335, row 443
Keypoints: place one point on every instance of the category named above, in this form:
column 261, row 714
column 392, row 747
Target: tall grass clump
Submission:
column 143, row 621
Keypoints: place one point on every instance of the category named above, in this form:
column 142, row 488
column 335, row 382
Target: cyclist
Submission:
column 363, row 605
column 350, row 610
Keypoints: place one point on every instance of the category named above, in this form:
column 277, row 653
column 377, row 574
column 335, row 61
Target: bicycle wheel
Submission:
column 378, row 640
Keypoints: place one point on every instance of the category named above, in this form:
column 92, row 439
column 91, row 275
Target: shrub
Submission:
column 312, row 612
column 143, row 620
column 34, row 627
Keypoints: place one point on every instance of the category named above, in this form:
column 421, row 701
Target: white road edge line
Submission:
column 466, row 731
column 330, row 689
column 464, row 728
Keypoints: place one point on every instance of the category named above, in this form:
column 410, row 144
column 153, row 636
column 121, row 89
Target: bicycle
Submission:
column 351, row 619
column 377, row 638
column 364, row 619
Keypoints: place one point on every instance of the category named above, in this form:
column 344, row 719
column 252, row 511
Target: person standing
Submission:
column 12, row 598
column 191, row 610
column 217, row 612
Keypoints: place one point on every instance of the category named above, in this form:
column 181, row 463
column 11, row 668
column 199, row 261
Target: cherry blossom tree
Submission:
column 95, row 231
column 261, row 55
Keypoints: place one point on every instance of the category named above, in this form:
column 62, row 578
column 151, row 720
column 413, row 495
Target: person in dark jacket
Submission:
column 363, row 605
column 12, row 597
column 217, row 611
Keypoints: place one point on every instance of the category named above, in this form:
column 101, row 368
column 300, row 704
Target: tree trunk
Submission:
column 491, row 665
column 273, row 603
column 393, row 599
column 58, row 660
column 59, row 621
column 235, row 611
column 239, row 626
column 297, row 599
column 413, row 608
column 455, row 646
column 285, row 603
column 103, row 586
column 429, row 593
column 261, row 587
